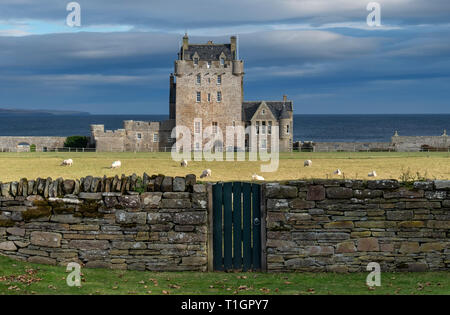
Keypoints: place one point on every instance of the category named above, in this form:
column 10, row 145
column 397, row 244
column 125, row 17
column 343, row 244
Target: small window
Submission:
column 222, row 61
column 197, row 127
column 257, row 127
column 199, row 79
column 208, row 64
column 139, row 135
column 197, row 146
column 264, row 144
column 219, row 96
column 209, row 97
column 219, row 79
column 155, row 137
column 269, row 128
column 263, row 128
column 263, row 112
column 196, row 61
column 214, row 127
column 234, row 123
column 199, row 97
column 287, row 128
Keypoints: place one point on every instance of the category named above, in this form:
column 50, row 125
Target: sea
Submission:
column 318, row 128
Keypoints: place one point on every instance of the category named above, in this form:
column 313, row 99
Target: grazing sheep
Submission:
column 337, row 172
column 184, row 163
column 307, row 163
column 372, row 174
column 206, row 173
column 68, row 162
column 257, row 177
column 116, row 164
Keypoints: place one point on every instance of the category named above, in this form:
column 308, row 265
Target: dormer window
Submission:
column 222, row 61
column 196, row 61
column 208, row 64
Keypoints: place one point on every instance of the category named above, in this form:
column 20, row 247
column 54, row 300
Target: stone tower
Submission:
column 207, row 87
column 285, row 127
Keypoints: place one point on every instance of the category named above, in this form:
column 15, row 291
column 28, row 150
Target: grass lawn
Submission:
column 25, row 278
column 355, row 165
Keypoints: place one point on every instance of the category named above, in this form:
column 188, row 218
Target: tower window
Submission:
column 199, row 97
column 219, row 79
column 287, row 128
column 197, row 127
column 219, row 96
column 199, row 79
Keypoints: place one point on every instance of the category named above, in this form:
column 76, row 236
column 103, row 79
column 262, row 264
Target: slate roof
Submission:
column 209, row 51
column 249, row 109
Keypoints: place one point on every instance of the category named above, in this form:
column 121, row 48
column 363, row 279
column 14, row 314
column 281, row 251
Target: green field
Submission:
column 354, row 165
column 24, row 278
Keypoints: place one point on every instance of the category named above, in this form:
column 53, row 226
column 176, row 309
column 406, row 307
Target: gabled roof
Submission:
column 208, row 51
column 276, row 107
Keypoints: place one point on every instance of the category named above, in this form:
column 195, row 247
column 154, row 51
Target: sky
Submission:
column 321, row 53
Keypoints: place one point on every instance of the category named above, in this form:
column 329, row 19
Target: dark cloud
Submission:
column 343, row 69
column 200, row 13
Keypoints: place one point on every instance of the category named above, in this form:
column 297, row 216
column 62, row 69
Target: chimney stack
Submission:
column 233, row 42
column 185, row 44
column 285, row 98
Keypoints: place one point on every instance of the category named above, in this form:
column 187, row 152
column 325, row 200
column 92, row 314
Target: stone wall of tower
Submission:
column 226, row 111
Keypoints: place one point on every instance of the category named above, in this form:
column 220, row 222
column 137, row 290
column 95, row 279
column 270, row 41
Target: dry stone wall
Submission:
column 342, row 225
column 161, row 223
column 149, row 223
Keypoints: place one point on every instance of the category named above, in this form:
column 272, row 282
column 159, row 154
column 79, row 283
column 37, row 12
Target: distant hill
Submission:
column 39, row 112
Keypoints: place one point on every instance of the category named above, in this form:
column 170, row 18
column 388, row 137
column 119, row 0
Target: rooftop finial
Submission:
column 445, row 132
column 396, row 133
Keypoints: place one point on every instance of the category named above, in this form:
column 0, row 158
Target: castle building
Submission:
column 206, row 90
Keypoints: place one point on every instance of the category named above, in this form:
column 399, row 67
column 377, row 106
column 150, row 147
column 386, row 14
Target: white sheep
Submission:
column 372, row 174
column 257, row 177
column 307, row 163
column 337, row 172
column 184, row 163
column 116, row 164
column 68, row 162
column 206, row 173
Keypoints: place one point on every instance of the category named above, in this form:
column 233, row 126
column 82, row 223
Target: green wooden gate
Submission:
column 237, row 226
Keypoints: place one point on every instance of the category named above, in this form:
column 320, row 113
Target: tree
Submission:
column 76, row 142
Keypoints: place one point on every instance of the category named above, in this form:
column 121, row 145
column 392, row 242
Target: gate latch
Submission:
column 256, row 221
